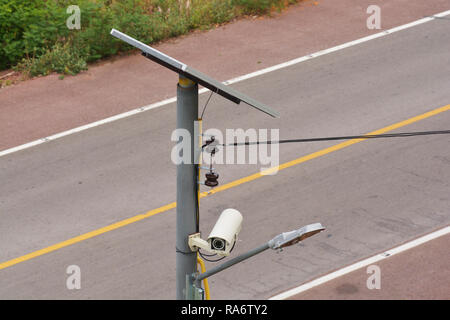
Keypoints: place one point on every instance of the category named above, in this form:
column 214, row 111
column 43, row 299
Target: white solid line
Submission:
column 228, row 82
column 361, row 264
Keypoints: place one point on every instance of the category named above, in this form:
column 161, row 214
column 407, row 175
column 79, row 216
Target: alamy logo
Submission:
column 74, row 279
column 374, row 281
column 74, row 21
column 374, row 20
column 231, row 148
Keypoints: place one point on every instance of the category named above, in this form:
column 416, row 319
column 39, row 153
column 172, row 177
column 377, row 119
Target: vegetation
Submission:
column 35, row 39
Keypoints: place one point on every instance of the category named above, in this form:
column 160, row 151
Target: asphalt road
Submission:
column 418, row 273
column 370, row 196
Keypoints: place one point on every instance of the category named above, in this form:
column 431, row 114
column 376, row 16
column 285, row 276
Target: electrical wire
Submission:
column 209, row 260
column 209, row 255
column 369, row 136
column 206, row 104
column 205, row 281
column 197, row 174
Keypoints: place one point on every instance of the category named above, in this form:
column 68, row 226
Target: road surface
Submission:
column 418, row 273
column 370, row 195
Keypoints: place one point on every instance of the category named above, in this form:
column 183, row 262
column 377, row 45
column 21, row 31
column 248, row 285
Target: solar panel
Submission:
column 194, row 75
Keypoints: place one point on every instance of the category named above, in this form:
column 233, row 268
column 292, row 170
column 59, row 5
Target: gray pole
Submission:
column 230, row 263
column 187, row 114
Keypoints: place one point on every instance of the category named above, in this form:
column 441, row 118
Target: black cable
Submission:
column 370, row 136
column 209, row 260
column 209, row 255
column 197, row 204
column 203, row 255
column 207, row 101
column 183, row 252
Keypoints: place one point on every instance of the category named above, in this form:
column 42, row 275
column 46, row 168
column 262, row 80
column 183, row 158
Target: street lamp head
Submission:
column 289, row 238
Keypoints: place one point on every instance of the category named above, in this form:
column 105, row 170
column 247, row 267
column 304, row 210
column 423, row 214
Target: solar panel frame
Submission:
column 193, row 74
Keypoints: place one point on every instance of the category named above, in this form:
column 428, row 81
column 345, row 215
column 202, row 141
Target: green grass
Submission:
column 34, row 37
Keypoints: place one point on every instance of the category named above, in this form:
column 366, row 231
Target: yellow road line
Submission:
column 86, row 236
column 325, row 151
column 224, row 187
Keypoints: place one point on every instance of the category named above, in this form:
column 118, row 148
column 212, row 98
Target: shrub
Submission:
column 28, row 28
column 60, row 58
column 34, row 34
column 257, row 6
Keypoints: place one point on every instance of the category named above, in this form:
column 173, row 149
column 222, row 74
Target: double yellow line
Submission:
column 224, row 187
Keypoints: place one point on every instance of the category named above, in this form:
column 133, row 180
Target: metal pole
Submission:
column 187, row 114
column 230, row 263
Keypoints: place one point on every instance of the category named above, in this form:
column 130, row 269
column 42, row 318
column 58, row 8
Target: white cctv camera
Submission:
column 225, row 231
column 223, row 235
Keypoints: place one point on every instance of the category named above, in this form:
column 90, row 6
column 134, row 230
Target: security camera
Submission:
column 223, row 235
column 225, row 231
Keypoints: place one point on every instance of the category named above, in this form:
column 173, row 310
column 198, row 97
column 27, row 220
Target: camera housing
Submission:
column 223, row 235
column 225, row 231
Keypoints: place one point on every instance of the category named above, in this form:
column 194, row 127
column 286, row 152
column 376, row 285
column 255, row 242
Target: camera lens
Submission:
column 218, row 244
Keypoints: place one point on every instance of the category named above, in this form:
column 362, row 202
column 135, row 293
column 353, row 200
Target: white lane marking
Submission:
column 361, row 264
column 228, row 82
